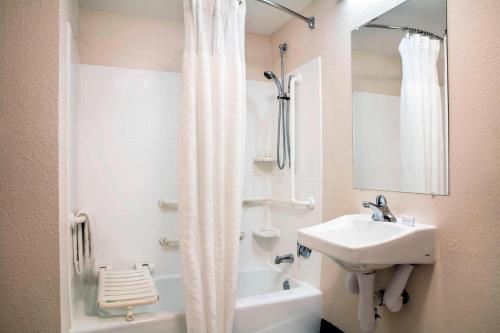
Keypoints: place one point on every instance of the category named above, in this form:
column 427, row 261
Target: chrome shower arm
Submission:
column 309, row 20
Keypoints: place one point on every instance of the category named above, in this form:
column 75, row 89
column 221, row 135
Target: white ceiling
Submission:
column 260, row 18
column 265, row 20
column 428, row 15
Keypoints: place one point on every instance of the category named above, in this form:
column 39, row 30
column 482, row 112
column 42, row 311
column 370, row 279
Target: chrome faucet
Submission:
column 286, row 258
column 381, row 211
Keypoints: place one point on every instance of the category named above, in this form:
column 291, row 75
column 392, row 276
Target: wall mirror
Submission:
column 400, row 100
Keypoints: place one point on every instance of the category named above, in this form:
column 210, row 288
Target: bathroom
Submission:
column 216, row 166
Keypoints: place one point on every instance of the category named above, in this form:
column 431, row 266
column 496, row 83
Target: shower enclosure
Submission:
column 123, row 147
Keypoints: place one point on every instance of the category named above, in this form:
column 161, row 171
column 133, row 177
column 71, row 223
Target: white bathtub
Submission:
column 262, row 306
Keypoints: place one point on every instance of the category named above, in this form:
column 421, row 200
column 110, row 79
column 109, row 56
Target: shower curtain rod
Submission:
column 411, row 30
column 309, row 20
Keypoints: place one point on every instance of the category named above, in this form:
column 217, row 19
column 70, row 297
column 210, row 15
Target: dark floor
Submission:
column 327, row 327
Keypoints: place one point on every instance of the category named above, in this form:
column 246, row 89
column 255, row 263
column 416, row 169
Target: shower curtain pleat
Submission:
column 422, row 135
column 211, row 132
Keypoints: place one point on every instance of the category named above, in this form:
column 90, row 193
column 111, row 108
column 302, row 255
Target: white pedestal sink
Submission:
column 359, row 244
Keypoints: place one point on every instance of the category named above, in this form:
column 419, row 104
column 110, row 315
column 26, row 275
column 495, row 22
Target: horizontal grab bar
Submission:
column 257, row 200
column 309, row 203
column 167, row 204
column 165, row 241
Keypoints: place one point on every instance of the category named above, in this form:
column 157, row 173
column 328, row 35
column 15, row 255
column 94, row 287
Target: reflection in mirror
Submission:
column 400, row 112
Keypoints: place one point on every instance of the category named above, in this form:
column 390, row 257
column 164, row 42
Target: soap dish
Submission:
column 266, row 232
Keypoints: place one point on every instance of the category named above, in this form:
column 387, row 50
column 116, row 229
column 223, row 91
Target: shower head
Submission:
column 271, row 76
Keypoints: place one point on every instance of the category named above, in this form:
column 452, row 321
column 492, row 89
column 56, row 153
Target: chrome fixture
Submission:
column 309, row 20
column 271, row 76
column 286, row 284
column 286, row 258
column 407, row 29
column 283, row 144
column 381, row 211
column 167, row 241
column 303, row 251
column 283, row 48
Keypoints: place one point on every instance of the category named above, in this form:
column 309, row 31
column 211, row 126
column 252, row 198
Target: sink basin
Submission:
column 359, row 244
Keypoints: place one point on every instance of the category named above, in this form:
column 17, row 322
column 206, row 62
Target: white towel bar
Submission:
column 82, row 241
column 77, row 218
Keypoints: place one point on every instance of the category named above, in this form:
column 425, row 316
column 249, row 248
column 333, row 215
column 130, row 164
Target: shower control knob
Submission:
column 303, row 251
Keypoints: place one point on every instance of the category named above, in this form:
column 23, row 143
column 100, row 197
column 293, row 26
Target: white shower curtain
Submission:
column 211, row 132
column 422, row 124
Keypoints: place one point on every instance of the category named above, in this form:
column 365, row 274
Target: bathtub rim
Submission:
column 85, row 323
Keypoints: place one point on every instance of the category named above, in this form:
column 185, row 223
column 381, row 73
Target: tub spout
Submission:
column 286, row 258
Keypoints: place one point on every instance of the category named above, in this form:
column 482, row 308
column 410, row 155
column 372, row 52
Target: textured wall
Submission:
column 461, row 293
column 118, row 40
column 29, row 264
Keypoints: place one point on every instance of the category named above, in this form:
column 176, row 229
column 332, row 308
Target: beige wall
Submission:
column 380, row 74
column 29, row 229
column 461, row 292
column 376, row 74
column 139, row 42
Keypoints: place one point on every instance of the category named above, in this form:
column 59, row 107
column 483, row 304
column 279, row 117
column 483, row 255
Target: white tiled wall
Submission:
column 376, row 115
column 126, row 161
column 260, row 97
column 125, row 152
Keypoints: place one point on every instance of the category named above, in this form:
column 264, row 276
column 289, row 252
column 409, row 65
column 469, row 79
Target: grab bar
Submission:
column 77, row 218
column 309, row 204
column 165, row 241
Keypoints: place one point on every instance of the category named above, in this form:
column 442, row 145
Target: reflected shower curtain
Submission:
column 422, row 132
column 211, row 130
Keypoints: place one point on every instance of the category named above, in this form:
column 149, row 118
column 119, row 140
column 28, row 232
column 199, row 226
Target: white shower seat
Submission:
column 126, row 289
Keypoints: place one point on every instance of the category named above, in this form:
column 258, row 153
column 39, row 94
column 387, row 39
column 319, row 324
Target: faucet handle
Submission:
column 366, row 204
column 381, row 211
column 380, row 200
